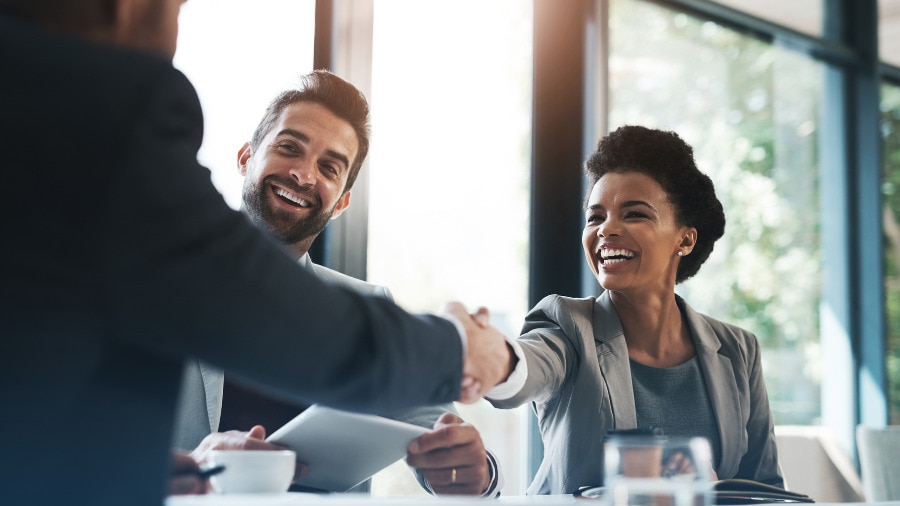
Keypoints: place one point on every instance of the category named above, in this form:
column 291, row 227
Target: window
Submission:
column 239, row 55
column 750, row 111
column 449, row 171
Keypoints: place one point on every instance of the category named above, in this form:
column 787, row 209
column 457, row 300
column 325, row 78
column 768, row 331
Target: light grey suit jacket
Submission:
column 200, row 401
column 579, row 383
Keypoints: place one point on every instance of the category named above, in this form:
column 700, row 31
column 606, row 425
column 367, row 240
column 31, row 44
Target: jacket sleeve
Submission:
column 187, row 275
column 549, row 354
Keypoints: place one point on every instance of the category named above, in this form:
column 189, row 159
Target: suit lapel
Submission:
column 612, row 355
column 718, row 374
column 213, row 384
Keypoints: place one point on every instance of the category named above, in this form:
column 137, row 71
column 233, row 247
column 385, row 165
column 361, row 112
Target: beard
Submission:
column 282, row 224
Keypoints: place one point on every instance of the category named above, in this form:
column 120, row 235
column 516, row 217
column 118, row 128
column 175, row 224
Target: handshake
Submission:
column 489, row 357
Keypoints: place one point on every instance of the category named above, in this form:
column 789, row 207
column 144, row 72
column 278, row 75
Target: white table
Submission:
column 299, row 499
column 296, row 499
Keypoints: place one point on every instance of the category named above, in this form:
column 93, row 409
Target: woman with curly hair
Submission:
column 638, row 356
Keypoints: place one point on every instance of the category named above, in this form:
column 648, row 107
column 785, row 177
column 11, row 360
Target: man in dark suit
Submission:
column 292, row 189
column 120, row 260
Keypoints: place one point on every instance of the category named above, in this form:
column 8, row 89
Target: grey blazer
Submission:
column 200, row 400
column 579, row 383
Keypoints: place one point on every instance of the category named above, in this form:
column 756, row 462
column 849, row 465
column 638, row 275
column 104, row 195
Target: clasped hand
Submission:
column 489, row 358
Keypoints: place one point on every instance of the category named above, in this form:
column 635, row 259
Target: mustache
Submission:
column 304, row 191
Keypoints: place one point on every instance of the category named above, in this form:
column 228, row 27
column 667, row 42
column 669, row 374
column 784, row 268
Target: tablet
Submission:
column 343, row 449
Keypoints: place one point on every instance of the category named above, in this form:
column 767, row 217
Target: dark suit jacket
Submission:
column 579, row 382
column 120, row 260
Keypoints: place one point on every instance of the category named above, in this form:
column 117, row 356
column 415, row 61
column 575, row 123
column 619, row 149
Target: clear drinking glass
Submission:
column 648, row 470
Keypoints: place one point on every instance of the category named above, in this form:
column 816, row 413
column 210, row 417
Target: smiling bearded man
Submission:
column 254, row 203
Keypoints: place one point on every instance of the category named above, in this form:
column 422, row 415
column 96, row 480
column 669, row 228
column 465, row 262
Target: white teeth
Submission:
column 300, row 202
column 607, row 253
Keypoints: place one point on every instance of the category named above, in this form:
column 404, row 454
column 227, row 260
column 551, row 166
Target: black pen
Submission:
column 202, row 474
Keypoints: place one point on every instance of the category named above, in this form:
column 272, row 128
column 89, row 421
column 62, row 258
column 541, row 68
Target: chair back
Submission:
column 813, row 463
column 879, row 462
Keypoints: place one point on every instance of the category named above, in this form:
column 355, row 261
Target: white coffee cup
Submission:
column 252, row 471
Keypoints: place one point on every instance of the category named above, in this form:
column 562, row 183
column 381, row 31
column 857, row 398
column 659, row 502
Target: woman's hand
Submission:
column 679, row 463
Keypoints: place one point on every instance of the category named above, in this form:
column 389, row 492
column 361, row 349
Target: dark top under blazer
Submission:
column 579, row 381
column 120, row 259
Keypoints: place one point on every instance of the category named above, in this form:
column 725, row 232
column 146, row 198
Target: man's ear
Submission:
column 120, row 16
column 342, row 204
column 243, row 158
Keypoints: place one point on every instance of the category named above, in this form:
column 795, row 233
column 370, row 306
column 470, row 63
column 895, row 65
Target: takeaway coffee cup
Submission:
column 652, row 470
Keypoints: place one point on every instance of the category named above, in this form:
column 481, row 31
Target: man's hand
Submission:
column 451, row 457
column 185, row 475
column 254, row 439
column 489, row 359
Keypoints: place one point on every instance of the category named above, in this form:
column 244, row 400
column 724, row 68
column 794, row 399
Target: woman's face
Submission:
column 631, row 237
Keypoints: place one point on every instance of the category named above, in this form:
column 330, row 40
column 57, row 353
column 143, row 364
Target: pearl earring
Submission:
column 680, row 254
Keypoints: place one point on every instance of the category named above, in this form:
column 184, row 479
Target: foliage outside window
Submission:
column 890, row 130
